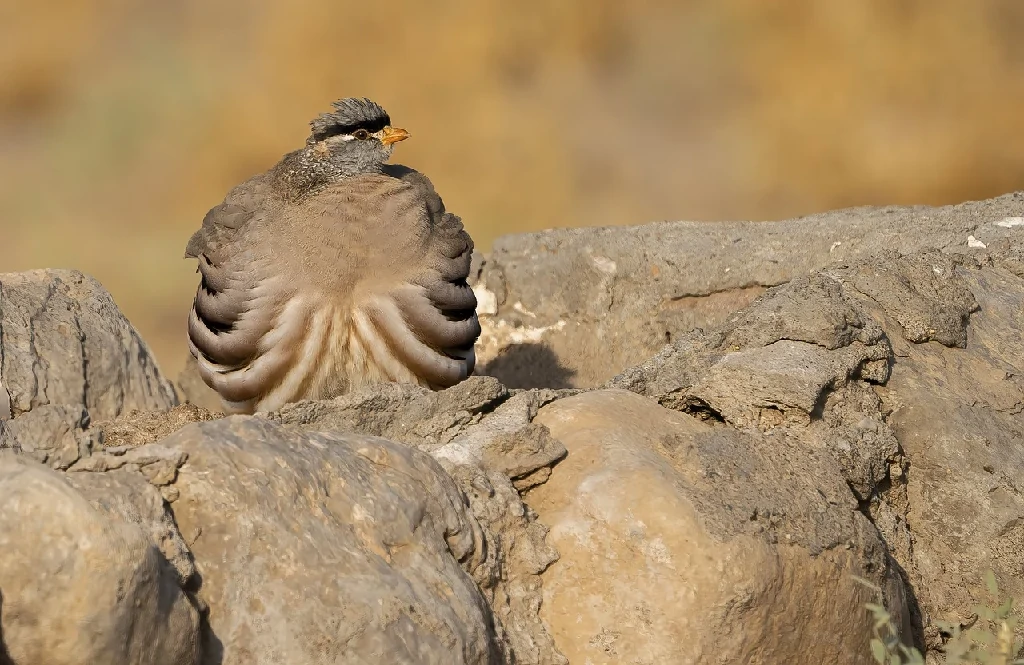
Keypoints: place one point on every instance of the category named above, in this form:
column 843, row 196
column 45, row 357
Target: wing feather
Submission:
column 229, row 315
column 431, row 322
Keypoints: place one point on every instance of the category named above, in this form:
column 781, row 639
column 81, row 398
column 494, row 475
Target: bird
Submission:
column 330, row 271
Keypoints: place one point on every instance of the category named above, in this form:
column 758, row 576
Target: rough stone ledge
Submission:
column 570, row 308
column 906, row 369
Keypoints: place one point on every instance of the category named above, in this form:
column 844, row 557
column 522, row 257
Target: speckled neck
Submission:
column 306, row 171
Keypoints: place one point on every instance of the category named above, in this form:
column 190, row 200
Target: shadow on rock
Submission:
column 529, row 366
column 5, row 659
column 914, row 618
column 211, row 646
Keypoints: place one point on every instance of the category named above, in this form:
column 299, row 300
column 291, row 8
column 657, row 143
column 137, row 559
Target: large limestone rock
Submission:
column 80, row 586
column 487, row 440
column 493, row 547
column 849, row 409
column 328, row 547
column 907, row 371
column 683, row 542
column 956, row 405
column 573, row 307
column 63, row 342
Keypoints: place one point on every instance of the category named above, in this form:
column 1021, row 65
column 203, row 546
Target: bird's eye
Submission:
column 361, row 134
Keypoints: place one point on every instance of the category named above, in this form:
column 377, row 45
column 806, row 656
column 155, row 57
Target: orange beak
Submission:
column 393, row 135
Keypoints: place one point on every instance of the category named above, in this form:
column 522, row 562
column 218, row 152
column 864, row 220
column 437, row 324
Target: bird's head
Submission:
column 357, row 138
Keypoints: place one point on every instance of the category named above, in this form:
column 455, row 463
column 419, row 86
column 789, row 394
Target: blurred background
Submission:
column 123, row 121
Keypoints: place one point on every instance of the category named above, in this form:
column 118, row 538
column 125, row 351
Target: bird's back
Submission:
column 358, row 282
column 367, row 233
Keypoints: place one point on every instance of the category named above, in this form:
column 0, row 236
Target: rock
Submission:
column 5, row 403
column 785, row 377
column 328, row 547
column 479, row 415
column 484, row 438
column 133, row 474
column 682, row 542
column 80, row 586
column 159, row 464
column 907, row 370
column 55, row 435
column 922, row 292
column 957, row 413
column 574, row 307
column 126, row 494
column 850, row 404
column 63, row 342
column 401, row 412
column 775, row 359
column 511, row 559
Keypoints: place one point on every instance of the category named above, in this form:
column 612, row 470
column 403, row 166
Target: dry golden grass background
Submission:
column 122, row 122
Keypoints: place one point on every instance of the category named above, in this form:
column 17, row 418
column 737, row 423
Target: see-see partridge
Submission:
column 330, row 271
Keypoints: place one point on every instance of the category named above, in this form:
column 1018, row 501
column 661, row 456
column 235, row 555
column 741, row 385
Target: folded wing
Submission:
column 237, row 330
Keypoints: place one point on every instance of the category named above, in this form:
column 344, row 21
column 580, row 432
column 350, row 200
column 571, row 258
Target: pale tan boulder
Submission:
column 81, row 586
column 682, row 542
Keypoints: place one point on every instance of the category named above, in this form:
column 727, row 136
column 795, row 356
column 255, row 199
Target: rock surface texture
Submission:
column 485, row 440
column 908, row 371
column 573, row 307
column 81, row 586
column 63, row 342
column 840, row 395
column 341, row 548
column 683, row 542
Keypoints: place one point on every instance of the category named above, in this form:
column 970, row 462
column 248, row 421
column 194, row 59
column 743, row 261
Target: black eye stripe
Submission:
column 371, row 126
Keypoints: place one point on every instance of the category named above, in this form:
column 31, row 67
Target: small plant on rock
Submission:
column 886, row 647
column 990, row 640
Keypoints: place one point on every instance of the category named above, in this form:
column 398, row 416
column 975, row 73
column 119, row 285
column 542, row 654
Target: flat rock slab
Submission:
column 573, row 307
